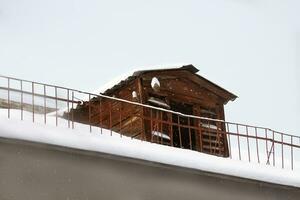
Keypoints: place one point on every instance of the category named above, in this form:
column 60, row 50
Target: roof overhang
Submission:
column 225, row 94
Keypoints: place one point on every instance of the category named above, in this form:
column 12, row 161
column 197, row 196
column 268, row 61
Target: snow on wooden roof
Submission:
column 122, row 80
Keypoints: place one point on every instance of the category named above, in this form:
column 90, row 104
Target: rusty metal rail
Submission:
column 243, row 142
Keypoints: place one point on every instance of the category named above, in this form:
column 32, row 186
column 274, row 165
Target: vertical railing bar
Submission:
column 190, row 134
column 179, row 131
column 217, row 143
column 239, row 145
column 110, row 117
column 45, row 106
column 22, row 113
column 229, row 141
column 100, row 114
column 209, row 136
column 292, row 153
column 72, row 109
column 8, row 97
column 56, row 107
column 32, row 85
column 90, row 122
column 247, row 133
column 151, row 125
column 267, row 148
column 120, row 119
column 269, row 154
column 273, row 136
column 257, row 150
column 161, row 128
column 282, row 156
column 68, row 102
column 171, row 133
column 131, row 121
column 200, row 136
column 156, row 126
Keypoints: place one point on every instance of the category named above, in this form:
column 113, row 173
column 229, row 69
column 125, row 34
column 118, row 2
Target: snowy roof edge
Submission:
column 83, row 140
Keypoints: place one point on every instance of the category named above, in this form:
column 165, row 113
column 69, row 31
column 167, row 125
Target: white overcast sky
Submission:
column 250, row 47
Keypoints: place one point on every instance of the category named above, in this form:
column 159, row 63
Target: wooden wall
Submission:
column 176, row 88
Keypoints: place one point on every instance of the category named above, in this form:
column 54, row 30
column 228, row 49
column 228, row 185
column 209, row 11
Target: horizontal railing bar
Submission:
column 39, row 95
column 220, row 131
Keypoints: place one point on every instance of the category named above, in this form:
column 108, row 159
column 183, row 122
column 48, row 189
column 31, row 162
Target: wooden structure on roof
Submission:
column 177, row 89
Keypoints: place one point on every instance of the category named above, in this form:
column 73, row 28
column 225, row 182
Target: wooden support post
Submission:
column 141, row 95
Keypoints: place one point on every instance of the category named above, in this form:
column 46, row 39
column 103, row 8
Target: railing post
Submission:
column 238, row 136
column 45, row 107
column 72, row 109
column 200, row 135
column 21, row 87
column 90, row 123
column 267, row 148
column 179, row 130
column 131, row 122
column 217, row 144
column 110, row 116
column 120, row 119
column 171, row 130
column 257, row 150
column 8, row 97
column 151, row 125
column 229, row 140
column 68, row 102
column 247, row 135
column 209, row 136
column 292, row 153
column 32, row 85
column 190, row 134
column 273, row 148
column 161, row 128
column 56, row 107
column 100, row 113
column 282, row 156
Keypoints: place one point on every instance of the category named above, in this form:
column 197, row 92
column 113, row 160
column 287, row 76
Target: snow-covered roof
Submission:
column 123, row 77
column 81, row 138
column 121, row 80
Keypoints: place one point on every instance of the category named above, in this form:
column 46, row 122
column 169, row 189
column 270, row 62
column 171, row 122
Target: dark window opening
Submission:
column 183, row 136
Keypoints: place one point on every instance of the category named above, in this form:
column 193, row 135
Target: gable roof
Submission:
column 115, row 84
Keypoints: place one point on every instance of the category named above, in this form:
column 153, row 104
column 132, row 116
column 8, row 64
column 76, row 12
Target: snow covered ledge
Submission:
column 82, row 139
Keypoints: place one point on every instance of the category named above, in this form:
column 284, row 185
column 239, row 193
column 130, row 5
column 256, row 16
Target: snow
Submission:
column 112, row 143
column 155, row 83
column 159, row 134
column 211, row 126
column 124, row 76
column 158, row 102
column 134, row 95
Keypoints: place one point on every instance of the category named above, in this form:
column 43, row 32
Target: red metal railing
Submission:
column 245, row 142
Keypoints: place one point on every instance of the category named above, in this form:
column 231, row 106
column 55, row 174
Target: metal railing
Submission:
column 163, row 126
